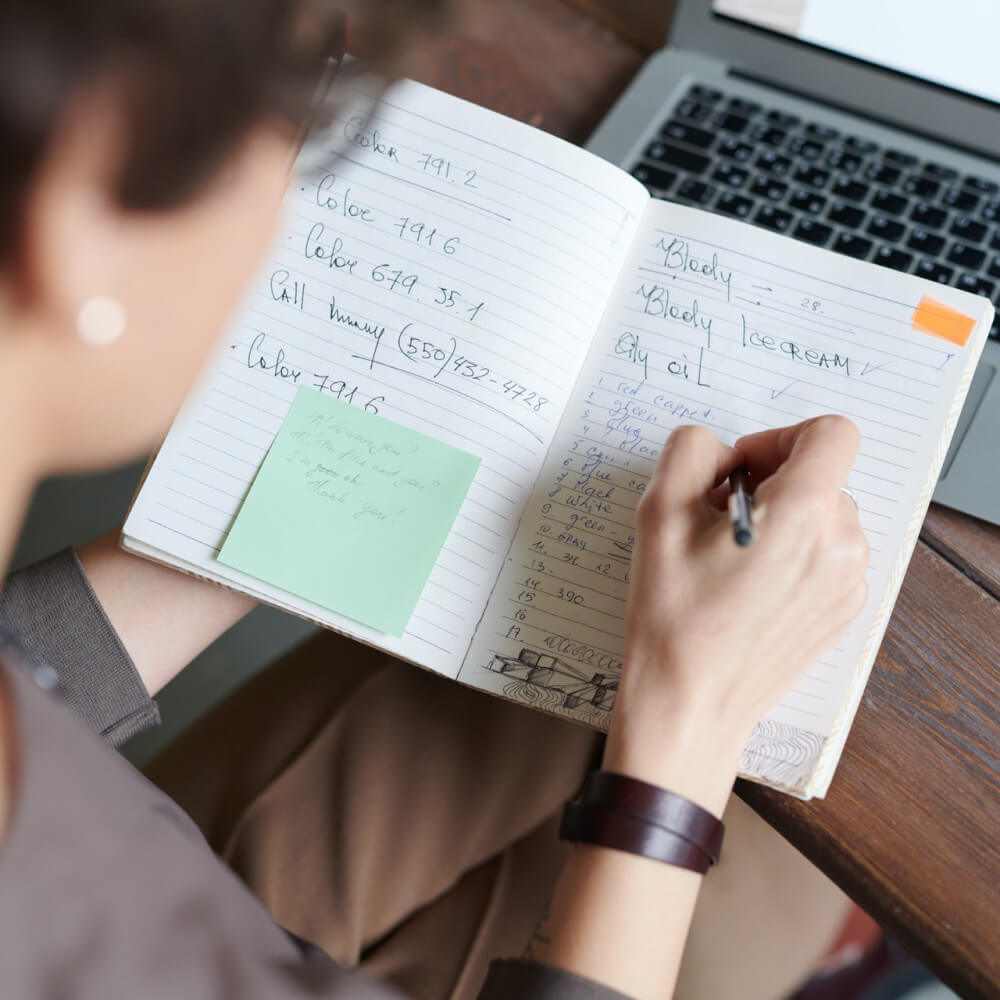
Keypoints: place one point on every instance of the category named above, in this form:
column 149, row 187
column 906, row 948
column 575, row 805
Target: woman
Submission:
column 142, row 169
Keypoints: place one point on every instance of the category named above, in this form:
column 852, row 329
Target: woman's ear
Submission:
column 72, row 243
column 86, row 266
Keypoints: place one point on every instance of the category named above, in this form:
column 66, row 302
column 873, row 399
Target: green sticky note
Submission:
column 349, row 510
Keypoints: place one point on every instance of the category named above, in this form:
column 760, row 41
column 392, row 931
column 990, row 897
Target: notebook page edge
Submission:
column 836, row 740
column 565, row 146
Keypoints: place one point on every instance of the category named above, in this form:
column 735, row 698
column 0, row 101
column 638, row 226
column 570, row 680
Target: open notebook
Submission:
column 521, row 299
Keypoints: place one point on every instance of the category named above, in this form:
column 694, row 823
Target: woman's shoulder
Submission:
column 103, row 877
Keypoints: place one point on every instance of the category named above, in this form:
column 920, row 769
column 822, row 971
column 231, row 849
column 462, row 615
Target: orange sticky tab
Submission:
column 942, row 321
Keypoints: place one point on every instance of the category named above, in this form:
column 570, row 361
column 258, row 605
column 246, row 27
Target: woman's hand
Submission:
column 717, row 634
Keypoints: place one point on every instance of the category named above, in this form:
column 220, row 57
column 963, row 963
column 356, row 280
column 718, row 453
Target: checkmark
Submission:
column 869, row 367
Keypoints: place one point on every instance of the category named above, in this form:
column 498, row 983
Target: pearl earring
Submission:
column 101, row 321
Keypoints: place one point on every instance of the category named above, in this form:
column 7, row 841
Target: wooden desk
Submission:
column 910, row 828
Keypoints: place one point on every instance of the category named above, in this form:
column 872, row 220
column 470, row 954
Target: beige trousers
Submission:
column 407, row 825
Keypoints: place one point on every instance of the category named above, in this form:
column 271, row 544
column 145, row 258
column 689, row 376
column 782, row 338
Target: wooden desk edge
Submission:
column 964, row 959
column 826, row 853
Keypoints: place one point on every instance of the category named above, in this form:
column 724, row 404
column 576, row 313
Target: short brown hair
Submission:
column 192, row 76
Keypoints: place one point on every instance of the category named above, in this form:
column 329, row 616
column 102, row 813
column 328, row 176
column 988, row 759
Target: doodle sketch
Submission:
column 544, row 681
column 776, row 751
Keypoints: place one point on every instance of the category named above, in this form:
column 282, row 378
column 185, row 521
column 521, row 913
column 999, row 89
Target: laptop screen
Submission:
column 951, row 43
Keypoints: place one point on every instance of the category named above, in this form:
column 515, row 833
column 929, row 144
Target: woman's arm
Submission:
column 715, row 636
column 163, row 618
column 621, row 920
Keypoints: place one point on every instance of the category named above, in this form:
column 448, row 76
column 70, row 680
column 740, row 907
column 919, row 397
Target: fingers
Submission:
column 847, row 508
column 694, row 461
column 719, row 497
column 853, row 538
column 766, row 451
column 807, row 462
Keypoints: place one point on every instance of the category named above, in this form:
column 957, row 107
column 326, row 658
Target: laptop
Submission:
column 870, row 127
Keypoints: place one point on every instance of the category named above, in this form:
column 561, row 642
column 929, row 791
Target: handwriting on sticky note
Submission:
column 349, row 510
column 942, row 321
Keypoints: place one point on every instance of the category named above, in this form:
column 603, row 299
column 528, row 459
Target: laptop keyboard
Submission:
column 809, row 181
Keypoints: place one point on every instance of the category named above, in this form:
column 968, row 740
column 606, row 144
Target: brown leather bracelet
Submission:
column 655, row 805
column 603, row 827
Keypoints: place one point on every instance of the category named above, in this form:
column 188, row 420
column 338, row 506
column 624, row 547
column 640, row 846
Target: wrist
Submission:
column 681, row 747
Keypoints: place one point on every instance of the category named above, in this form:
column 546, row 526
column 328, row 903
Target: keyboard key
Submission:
column 676, row 156
column 995, row 329
column 934, row 271
column 960, row 198
column 812, row 176
column 730, row 203
column 807, row 201
column 744, row 107
column 928, row 216
column 768, row 134
column 978, row 286
column 990, row 210
column 966, row 256
column 695, row 191
column 995, row 241
column 702, row 93
column 853, row 246
column 822, row 132
column 968, row 229
column 688, row 134
column 696, row 111
column 782, row 119
column 844, row 187
column 925, row 242
column 845, row 214
column 731, row 175
column 886, row 229
column 768, row 187
column 732, row 123
column 981, row 185
column 774, row 218
column 813, row 232
column 735, row 150
column 882, row 173
column 994, row 269
column 900, row 158
column 891, row 257
column 653, row 177
column 840, row 159
column 808, row 149
column 889, row 203
column 774, row 162
column 860, row 145
column 922, row 187
column 939, row 171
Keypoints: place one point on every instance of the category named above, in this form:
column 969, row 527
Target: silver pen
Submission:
column 740, row 505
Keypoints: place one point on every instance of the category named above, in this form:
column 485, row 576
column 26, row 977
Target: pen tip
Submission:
column 743, row 537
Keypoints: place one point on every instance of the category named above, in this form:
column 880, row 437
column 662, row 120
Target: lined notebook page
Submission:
column 448, row 271
column 717, row 324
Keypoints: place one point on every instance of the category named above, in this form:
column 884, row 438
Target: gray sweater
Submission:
column 107, row 889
